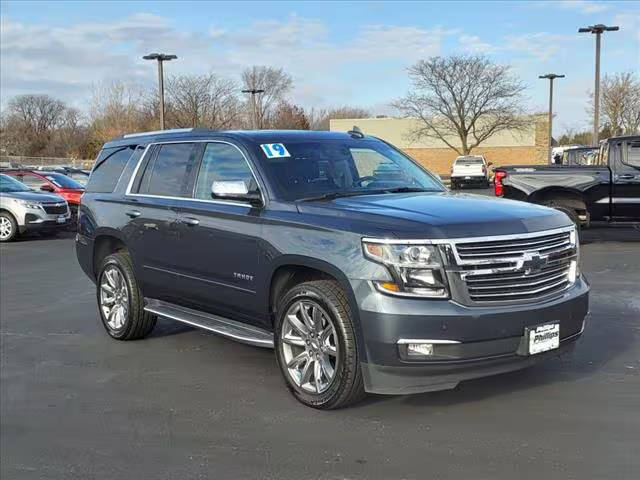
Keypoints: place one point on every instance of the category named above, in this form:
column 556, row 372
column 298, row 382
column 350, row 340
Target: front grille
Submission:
column 516, row 269
column 55, row 208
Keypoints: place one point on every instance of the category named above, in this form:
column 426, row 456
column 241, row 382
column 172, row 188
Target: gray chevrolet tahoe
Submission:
column 339, row 251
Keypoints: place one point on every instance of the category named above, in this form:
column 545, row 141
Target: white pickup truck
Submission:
column 470, row 169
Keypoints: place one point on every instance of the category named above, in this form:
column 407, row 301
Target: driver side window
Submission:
column 370, row 163
column 220, row 162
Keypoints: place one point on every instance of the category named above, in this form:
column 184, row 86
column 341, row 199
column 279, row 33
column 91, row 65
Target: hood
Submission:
column 34, row 196
column 71, row 195
column 439, row 215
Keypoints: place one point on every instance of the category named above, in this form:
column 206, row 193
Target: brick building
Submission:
column 505, row 148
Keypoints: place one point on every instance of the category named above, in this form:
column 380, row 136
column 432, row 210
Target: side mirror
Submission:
column 235, row 190
column 47, row 188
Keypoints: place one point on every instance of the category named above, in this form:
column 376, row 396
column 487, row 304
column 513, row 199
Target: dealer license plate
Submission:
column 543, row 337
column 61, row 219
column 467, row 178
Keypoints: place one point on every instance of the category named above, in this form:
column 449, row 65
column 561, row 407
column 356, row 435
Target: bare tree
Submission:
column 119, row 107
column 275, row 82
column 290, row 117
column 202, row 101
column 319, row 119
column 29, row 123
column 465, row 99
column 620, row 103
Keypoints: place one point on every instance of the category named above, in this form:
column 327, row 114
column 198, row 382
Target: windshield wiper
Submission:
column 334, row 195
column 408, row 189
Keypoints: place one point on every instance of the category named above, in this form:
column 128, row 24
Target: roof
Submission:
column 257, row 136
column 624, row 137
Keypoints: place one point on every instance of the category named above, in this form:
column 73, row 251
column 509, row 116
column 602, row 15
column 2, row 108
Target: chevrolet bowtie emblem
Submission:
column 532, row 263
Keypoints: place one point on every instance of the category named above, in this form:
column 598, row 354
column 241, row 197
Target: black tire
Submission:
column 138, row 323
column 454, row 186
column 12, row 225
column 347, row 386
column 569, row 211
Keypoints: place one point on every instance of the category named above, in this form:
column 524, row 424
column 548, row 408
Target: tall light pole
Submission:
column 253, row 92
column 160, row 57
column 598, row 30
column 551, row 77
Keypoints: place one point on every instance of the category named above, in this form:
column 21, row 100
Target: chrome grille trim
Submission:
column 497, row 270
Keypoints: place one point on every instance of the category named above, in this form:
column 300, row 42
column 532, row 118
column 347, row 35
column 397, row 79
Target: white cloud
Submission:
column 582, row 6
column 474, row 44
column 66, row 61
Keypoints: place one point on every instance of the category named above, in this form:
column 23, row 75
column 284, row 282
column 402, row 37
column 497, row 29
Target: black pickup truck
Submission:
column 607, row 191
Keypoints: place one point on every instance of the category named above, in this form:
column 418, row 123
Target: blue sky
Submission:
column 337, row 52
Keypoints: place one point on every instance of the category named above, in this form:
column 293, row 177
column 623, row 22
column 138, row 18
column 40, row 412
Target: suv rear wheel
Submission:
column 120, row 300
column 316, row 345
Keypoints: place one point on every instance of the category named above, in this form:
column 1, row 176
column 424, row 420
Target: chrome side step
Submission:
column 238, row 331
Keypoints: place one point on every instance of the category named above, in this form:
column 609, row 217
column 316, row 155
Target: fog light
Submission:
column 419, row 349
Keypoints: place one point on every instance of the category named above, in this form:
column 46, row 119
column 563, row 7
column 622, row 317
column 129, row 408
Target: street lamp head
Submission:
column 253, row 91
column 160, row 57
column 551, row 76
column 598, row 28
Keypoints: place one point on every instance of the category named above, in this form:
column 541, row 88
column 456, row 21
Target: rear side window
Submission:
column 220, row 162
column 631, row 154
column 108, row 168
column 169, row 172
column 32, row 181
column 470, row 161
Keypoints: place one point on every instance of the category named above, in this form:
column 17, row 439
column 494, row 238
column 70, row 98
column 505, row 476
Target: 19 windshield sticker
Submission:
column 274, row 150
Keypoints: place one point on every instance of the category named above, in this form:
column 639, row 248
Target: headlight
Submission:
column 29, row 204
column 416, row 269
column 574, row 266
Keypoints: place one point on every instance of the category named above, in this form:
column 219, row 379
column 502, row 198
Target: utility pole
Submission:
column 254, row 119
column 160, row 57
column 598, row 30
column 551, row 77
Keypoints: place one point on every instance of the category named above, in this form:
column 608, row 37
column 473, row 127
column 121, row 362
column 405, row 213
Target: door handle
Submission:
column 132, row 213
column 192, row 222
column 626, row 176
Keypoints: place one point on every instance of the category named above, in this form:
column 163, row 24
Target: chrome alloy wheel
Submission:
column 309, row 346
column 6, row 229
column 114, row 297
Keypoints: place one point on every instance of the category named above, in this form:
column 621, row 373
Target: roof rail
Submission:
column 158, row 132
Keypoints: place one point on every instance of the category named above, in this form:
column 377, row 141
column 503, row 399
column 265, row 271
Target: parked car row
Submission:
column 23, row 210
column 52, row 182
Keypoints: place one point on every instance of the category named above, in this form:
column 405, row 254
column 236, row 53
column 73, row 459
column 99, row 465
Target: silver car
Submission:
column 24, row 210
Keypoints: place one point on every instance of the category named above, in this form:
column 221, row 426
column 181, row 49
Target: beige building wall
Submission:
column 504, row 148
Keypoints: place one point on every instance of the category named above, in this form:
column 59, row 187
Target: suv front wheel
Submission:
column 316, row 345
column 120, row 300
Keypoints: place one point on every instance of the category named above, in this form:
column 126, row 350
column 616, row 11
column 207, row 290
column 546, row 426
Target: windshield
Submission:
column 8, row 184
column 62, row 181
column 342, row 167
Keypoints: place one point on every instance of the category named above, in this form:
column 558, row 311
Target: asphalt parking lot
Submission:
column 187, row 404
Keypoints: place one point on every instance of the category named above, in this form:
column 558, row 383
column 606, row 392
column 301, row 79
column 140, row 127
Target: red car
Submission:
column 53, row 182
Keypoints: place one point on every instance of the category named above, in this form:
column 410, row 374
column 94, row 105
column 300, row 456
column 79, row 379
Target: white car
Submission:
column 470, row 169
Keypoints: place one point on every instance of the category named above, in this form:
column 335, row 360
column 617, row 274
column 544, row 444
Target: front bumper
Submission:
column 487, row 339
column 36, row 221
